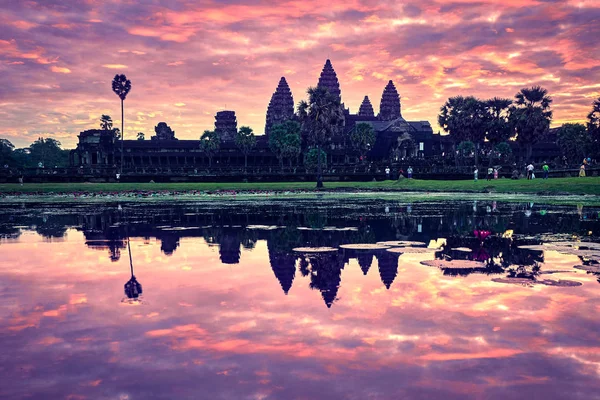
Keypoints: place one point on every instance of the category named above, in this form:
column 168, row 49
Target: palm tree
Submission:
column 362, row 138
column 593, row 125
column 210, row 141
column 464, row 119
column 322, row 117
column 499, row 128
column 121, row 86
column 106, row 122
column 245, row 141
column 531, row 116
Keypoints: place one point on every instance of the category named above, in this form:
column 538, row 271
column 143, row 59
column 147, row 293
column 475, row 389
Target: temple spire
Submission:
column 389, row 108
column 281, row 106
column 329, row 80
column 366, row 108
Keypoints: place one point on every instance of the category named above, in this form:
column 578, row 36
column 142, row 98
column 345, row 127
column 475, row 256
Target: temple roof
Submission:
column 366, row 108
column 281, row 106
column 329, row 80
column 389, row 108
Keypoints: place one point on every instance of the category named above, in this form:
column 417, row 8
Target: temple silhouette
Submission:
column 164, row 152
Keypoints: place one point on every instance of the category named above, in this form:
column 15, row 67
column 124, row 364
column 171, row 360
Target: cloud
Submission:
column 60, row 70
column 114, row 66
column 226, row 51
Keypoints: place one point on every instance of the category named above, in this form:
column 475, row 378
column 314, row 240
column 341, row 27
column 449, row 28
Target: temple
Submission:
column 398, row 141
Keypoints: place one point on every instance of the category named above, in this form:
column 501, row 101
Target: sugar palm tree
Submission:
column 121, row 86
column 245, row 141
column 322, row 117
column 531, row 116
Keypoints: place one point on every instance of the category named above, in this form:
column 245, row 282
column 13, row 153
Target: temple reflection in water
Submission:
column 236, row 228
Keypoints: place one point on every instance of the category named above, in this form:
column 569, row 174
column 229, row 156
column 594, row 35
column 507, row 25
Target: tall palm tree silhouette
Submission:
column 133, row 289
column 121, row 86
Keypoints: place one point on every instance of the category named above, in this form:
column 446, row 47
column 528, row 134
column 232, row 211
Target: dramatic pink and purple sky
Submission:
column 189, row 59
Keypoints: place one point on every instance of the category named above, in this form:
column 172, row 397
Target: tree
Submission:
column 574, row 142
column 503, row 149
column 322, row 117
column 121, row 86
column 210, row 142
column 464, row 118
column 498, row 127
column 106, row 122
column 466, row 148
column 48, row 152
column 531, row 116
column 593, row 126
column 6, row 153
column 245, row 141
column 362, row 138
column 312, row 159
column 285, row 141
column 141, row 136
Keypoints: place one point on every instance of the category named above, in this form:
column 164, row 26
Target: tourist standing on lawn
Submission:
column 582, row 171
column 495, row 173
column 475, row 174
column 529, row 171
column 409, row 172
column 387, row 172
column 546, row 169
column 489, row 174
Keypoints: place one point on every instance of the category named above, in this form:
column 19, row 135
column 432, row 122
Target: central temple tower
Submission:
column 329, row 80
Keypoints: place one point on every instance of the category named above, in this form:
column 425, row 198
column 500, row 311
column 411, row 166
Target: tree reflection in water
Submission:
column 285, row 225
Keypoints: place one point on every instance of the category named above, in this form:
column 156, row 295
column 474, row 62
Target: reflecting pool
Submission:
column 299, row 299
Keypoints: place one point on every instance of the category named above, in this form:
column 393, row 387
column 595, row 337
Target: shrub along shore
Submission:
column 554, row 186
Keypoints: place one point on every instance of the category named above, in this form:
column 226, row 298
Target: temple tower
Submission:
column 366, row 108
column 390, row 103
column 226, row 125
column 281, row 106
column 329, row 80
column 388, row 267
column 163, row 132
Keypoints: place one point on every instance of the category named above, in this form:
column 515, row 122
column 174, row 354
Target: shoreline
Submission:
column 274, row 196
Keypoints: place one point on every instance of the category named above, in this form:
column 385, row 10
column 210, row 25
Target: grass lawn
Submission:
column 558, row 186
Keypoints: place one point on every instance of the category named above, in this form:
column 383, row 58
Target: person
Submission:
column 475, row 174
column 118, row 177
column 409, row 171
column 489, row 173
column 529, row 171
column 546, row 169
column 40, row 165
column 21, row 180
column 582, row 170
column 387, row 172
column 515, row 174
column 495, row 173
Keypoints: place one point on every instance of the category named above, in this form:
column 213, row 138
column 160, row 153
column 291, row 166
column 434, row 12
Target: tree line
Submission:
column 472, row 123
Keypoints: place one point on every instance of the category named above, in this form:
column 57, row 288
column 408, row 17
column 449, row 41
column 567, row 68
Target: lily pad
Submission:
column 515, row 281
column 314, row 249
column 402, row 243
column 411, row 250
column 454, row 264
column 364, row 246
column 560, row 283
column 589, row 268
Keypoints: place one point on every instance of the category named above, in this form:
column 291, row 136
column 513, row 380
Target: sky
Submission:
column 189, row 59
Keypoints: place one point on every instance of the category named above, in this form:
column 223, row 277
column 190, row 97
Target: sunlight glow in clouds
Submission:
column 57, row 59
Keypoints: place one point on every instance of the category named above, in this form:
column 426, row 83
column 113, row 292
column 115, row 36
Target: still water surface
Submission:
column 222, row 307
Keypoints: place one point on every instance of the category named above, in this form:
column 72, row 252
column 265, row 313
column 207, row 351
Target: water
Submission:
column 221, row 307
